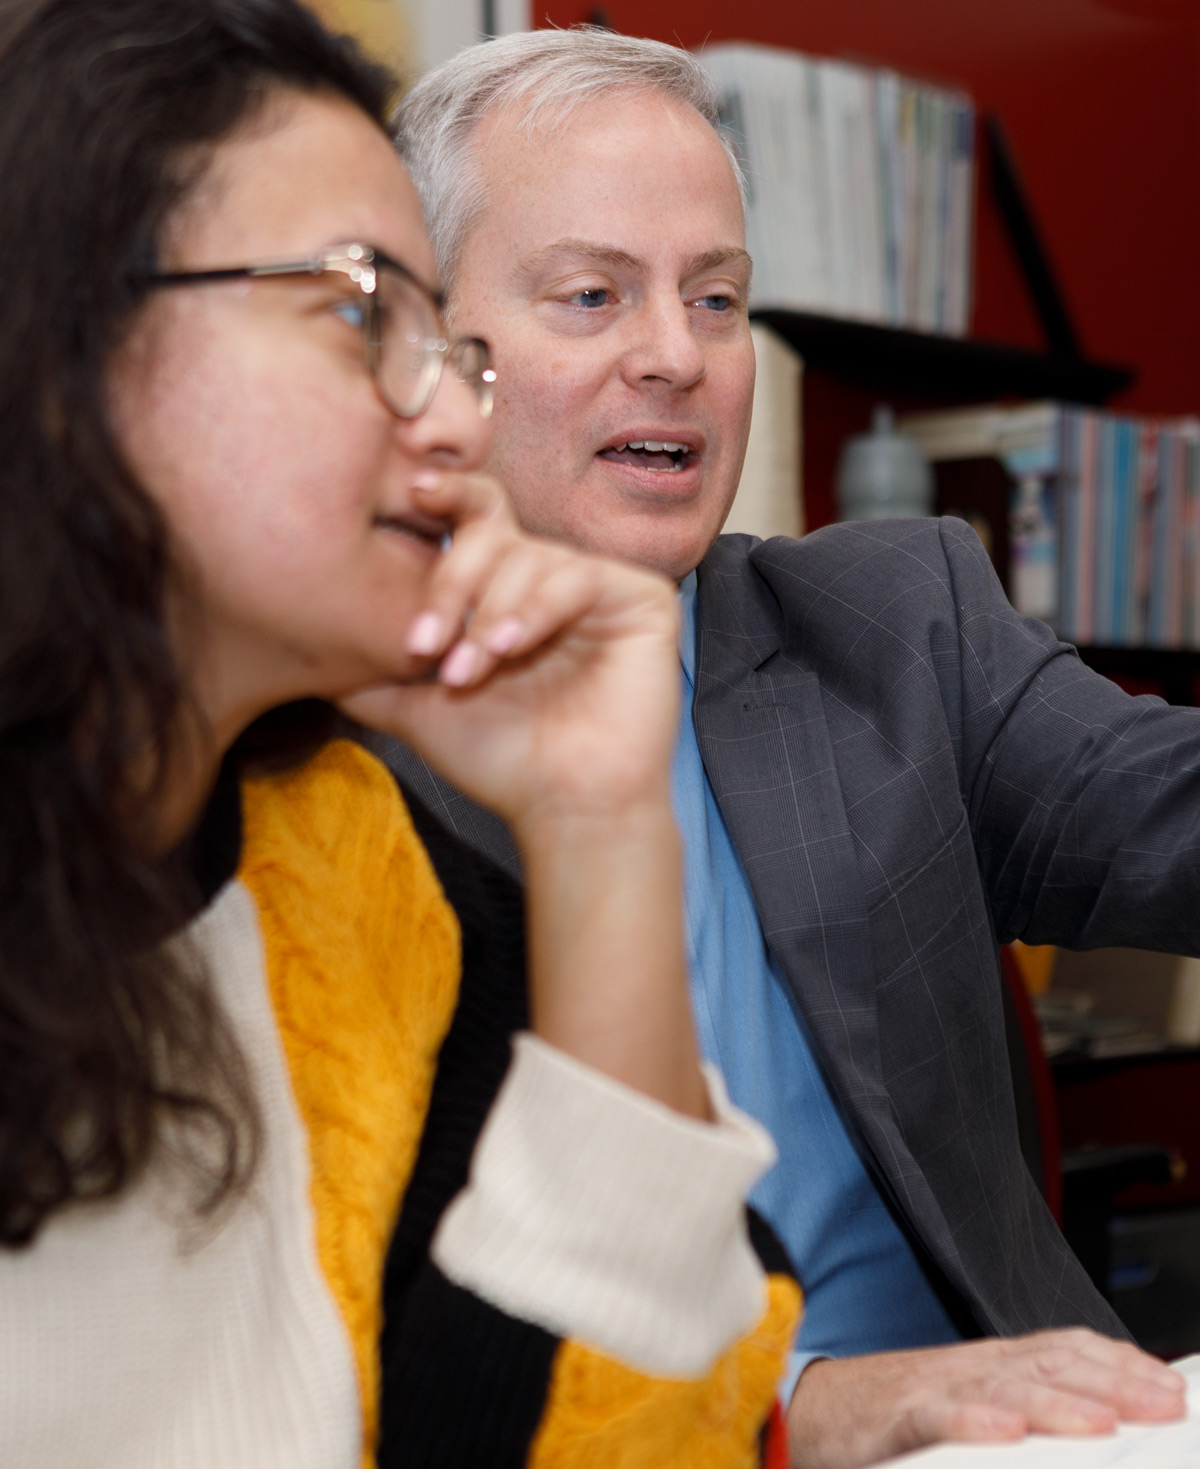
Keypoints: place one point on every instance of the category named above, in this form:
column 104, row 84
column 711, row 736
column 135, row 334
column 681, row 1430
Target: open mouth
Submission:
column 660, row 456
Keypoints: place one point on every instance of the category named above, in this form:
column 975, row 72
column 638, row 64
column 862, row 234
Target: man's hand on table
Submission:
column 859, row 1410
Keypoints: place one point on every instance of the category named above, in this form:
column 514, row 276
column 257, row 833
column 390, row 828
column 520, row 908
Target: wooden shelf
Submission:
column 890, row 360
column 1072, row 1067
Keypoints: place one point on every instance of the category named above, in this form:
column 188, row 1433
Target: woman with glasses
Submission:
column 273, row 1063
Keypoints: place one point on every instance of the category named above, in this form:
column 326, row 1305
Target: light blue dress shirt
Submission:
column 863, row 1288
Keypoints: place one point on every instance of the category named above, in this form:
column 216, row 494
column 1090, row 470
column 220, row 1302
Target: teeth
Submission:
column 653, row 446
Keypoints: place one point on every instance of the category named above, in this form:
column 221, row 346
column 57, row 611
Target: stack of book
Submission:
column 1128, row 494
column 860, row 186
column 1105, row 516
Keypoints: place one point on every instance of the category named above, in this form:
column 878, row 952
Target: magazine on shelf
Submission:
column 860, row 185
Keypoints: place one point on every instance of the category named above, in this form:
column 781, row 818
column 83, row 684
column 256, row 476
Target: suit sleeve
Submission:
column 1084, row 802
column 550, row 1207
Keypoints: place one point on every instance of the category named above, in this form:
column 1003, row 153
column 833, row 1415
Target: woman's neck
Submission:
column 175, row 793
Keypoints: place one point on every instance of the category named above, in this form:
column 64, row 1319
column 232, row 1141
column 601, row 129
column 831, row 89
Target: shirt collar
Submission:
column 687, row 626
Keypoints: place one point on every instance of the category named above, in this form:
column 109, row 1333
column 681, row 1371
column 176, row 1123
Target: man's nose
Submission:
column 664, row 347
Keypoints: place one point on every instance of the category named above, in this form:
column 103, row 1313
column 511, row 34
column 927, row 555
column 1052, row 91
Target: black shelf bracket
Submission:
column 1027, row 244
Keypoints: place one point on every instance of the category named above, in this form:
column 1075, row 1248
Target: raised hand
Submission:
column 556, row 672
column 555, row 703
column 860, row 1410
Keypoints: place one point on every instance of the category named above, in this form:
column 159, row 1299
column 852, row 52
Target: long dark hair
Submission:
column 108, row 112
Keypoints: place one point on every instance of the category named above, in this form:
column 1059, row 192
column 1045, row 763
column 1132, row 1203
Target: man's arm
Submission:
column 1084, row 802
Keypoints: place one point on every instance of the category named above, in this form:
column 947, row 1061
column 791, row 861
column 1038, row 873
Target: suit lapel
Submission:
column 765, row 744
column 764, row 739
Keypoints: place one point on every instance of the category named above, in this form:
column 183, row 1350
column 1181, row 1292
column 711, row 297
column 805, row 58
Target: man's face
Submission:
column 610, row 276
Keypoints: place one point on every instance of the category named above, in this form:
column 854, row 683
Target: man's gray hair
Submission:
column 550, row 74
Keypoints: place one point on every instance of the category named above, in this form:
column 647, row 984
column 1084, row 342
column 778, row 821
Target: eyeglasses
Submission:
column 401, row 324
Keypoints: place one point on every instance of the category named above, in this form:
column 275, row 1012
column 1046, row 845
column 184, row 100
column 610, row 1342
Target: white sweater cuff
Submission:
column 604, row 1216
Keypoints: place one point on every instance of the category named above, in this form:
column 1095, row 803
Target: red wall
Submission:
column 1101, row 100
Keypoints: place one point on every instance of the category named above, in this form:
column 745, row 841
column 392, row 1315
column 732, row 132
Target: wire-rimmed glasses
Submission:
column 401, row 323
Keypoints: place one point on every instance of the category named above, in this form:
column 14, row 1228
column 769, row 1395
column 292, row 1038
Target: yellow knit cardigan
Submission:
column 362, row 953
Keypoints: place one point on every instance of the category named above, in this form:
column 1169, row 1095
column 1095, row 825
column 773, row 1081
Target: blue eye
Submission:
column 716, row 303
column 352, row 312
column 596, row 297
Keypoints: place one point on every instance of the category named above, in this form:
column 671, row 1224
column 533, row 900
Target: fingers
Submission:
column 534, row 592
column 484, row 538
column 992, row 1408
column 1143, row 1388
column 990, row 1395
column 483, row 530
column 1065, row 1382
column 497, row 594
column 853, row 1412
column 1045, row 1409
column 1129, row 1383
column 972, row 1422
column 506, row 600
column 462, row 499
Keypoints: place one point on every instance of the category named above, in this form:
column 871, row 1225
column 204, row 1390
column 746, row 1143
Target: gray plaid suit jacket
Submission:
column 911, row 774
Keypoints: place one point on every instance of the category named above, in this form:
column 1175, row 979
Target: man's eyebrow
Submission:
column 587, row 250
column 714, row 259
column 623, row 260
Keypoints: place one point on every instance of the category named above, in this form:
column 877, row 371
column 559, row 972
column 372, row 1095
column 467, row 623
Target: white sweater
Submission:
column 133, row 1336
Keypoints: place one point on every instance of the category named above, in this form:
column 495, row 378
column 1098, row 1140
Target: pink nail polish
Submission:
column 425, row 635
column 460, row 664
column 505, row 636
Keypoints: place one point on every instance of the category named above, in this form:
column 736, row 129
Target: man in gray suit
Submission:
column 884, row 773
